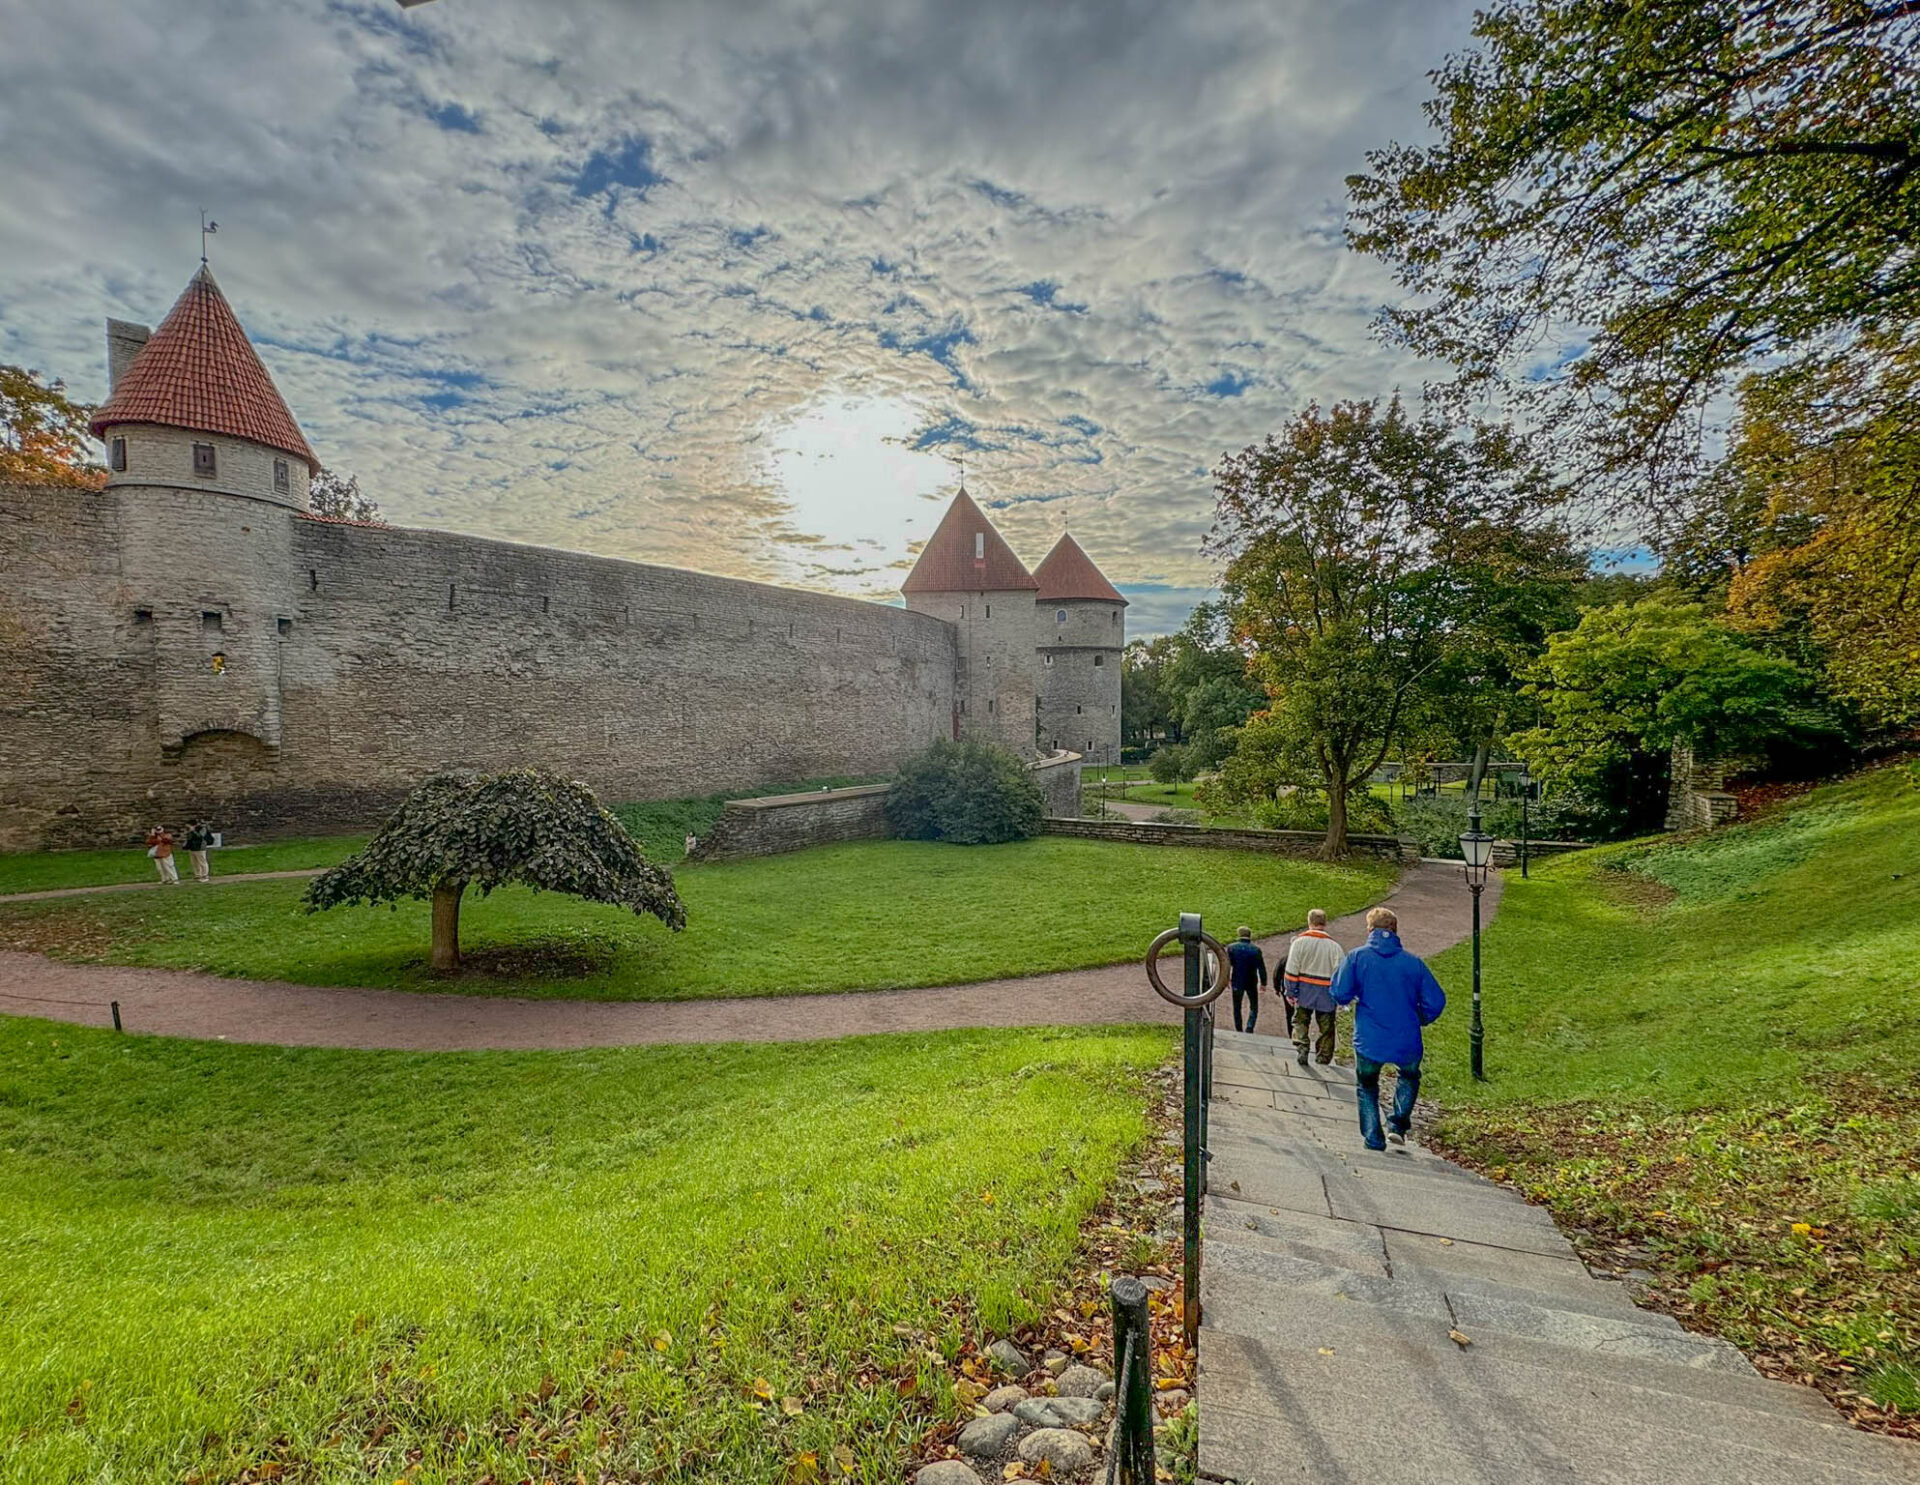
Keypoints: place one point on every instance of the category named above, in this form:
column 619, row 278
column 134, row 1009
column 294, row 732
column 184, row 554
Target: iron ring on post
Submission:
column 1206, row 996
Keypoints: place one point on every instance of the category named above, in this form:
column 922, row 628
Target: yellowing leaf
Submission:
column 792, row 1406
column 662, row 1341
column 843, row 1456
column 763, row 1389
column 1801, row 1229
column 1326, row 1350
column 806, row 1467
column 1459, row 1338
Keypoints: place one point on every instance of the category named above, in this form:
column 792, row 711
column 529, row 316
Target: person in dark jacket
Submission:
column 1248, row 968
column 1396, row 996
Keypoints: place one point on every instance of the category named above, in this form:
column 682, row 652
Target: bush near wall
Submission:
column 968, row 792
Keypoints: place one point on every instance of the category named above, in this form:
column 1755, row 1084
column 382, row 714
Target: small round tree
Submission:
column 972, row 793
column 460, row 830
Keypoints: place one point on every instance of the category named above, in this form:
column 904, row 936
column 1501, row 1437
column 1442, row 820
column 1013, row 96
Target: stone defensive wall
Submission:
column 1303, row 843
column 167, row 653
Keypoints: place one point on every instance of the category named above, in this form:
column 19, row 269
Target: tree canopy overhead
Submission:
column 1631, row 203
column 460, row 830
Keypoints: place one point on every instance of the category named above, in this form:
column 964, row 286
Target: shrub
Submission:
column 1173, row 764
column 972, row 793
column 1436, row 822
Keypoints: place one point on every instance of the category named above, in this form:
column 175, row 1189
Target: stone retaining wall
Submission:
column 1303, row 843
column 792, row 822
column 1059, row 779
column 1507, row 852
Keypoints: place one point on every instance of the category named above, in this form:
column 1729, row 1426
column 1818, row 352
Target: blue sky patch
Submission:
column 627, row 164
column 455, row 118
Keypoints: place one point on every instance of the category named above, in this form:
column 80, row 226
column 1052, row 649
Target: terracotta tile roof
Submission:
column 199, row 371
column 1068, row 572
column 966, row 555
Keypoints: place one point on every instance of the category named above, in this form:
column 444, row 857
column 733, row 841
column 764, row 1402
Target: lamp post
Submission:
column 1526, row 788
column 1476, row 849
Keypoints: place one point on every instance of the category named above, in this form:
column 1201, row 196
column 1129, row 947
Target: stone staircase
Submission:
column 1392, row 1317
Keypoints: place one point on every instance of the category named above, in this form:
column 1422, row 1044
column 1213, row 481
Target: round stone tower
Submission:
column 207, row 470
column 1081, row 632
column 969, row 576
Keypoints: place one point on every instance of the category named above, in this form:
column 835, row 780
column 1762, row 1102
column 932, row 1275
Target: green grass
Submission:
column 861, row 916
column 228, row 1262
column 41, row 871
column 661, row 826
column 1694, row 1046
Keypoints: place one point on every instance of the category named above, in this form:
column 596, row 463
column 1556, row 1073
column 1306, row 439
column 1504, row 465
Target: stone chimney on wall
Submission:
column 124, row 339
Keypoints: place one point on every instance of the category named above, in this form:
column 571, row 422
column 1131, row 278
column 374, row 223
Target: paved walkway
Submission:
column 1395, row 1317
column 186, row 884
column 1430, row 899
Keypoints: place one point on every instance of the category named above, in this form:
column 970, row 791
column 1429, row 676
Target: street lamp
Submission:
column 1476, row 849
column 1526, row 788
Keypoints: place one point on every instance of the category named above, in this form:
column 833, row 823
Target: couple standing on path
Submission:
column 160, row 850
column 1394, row 996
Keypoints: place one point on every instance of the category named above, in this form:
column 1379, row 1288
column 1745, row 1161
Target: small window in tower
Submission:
column 313, row 580
column 218, row 663
column 1059, row 616
column 143, row 616
column 1049, row 659
column 989, row 704
column 282, row 481
column 546, row 603
column 1076, row 711
column 119, row 458
column 1099, row 660
column 211, row 622
column 979, row 546
column 203, row 460
column 285, row 625
column 989, row 610
column 1116, row 616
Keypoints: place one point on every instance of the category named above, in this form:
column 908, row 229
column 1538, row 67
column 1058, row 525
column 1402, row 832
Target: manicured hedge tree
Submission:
column 973, row 793
column 459, row 830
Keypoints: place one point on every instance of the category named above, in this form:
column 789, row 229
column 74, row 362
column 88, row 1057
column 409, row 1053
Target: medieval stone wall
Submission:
column 994, row 635
column 779, row 823
column 166, row 653
column 1077, row 660
column 1303, row 843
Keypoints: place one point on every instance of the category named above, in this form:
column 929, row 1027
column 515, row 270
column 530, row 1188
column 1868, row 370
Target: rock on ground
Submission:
column 1081, row 1381
column 1008, row 1357
column 946, row 1472
column 1003, row 1398
column 1059, row 1412
column 1061, row 1448
column 984, row 1438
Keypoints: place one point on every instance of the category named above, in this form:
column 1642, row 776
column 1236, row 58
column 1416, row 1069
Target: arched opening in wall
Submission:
column 215, row 767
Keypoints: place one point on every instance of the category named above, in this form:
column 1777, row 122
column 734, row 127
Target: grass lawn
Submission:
column 861, row 916
column 661, row 827
column 1706, row 1052
column 246, row 1263
column 41, row 871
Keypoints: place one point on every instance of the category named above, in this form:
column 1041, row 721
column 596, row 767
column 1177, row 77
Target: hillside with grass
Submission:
column 1705, row 1053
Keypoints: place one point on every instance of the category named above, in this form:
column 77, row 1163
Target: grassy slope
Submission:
column 866, row 915
column 1706, row 1053
column 217, row 1255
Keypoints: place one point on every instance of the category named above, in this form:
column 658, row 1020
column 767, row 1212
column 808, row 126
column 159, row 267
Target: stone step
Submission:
column 1306, row 1268
column 1520, row 1418
column 1240, row 1295
column 1524, row 1311
column 1338, row 1151
column 1306, row 1324
column 1221, row 1215
column 1415, row 1253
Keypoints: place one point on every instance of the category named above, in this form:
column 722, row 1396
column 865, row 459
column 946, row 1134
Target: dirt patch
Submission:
column 69, row 933
column 537, row 959
column 1628, row 888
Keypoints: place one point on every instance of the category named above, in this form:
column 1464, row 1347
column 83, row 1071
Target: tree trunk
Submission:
column 1335, row 847
column 446, row 926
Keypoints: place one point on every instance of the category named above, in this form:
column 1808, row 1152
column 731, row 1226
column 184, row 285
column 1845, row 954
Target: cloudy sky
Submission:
column 732, row 285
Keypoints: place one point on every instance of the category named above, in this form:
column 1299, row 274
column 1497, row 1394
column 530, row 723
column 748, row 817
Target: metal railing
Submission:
column 1132, row 1462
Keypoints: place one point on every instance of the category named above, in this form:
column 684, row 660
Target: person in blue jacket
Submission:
column 1397, row 995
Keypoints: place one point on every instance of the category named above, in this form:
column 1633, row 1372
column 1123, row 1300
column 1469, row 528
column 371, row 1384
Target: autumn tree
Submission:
column 461, row 830
column 44, row 438
column 1370, row 554
column 1629, row 206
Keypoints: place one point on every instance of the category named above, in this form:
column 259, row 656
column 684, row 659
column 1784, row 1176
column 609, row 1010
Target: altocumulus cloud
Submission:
column 729, row 284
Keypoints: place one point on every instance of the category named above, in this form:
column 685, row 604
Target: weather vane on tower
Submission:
column 207, row 229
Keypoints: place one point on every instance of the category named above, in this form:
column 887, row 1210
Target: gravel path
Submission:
column 1431, row 901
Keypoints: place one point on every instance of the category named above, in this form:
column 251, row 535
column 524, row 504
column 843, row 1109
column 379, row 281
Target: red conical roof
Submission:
column 1069, row 572
column 199, row 371
column 966, row 555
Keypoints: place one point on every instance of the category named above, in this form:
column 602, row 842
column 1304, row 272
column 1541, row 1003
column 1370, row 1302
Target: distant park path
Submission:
column 1431, row 900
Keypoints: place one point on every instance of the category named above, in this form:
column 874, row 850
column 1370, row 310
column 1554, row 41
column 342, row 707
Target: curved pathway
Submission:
column 1432, row 903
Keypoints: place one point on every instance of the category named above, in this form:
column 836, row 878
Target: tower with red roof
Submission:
column 968, row 575
column 1082, row 630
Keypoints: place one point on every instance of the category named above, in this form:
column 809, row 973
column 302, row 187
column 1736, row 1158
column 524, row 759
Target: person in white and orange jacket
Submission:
column 1313, row 959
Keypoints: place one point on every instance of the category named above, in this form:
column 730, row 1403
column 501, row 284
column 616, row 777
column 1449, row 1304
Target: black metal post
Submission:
column 116, row 1015
column 1195, row 1130
column 1478, row 1035
column 1526, row 788
column 1132, row 1381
